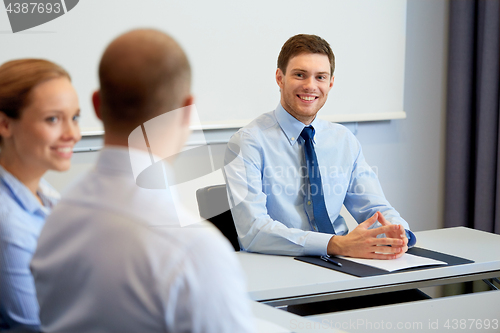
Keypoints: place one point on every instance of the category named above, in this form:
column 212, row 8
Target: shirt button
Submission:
column 293, row 139
column 309, row 202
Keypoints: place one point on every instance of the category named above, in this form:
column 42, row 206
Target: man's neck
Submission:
column 115, row 140
column 304, row 120
column 166, row 148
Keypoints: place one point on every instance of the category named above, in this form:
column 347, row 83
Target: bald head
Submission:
column 142, row 74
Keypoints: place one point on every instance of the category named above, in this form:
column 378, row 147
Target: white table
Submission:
column 281, row 280
column 479, row 312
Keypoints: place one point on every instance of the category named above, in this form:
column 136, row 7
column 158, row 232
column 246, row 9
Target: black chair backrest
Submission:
column 214, row 207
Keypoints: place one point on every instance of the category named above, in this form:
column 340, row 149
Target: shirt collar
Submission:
column 114, row 171
column 291, row 126
column 25, row 198
column 128, row 161
column 114, row 159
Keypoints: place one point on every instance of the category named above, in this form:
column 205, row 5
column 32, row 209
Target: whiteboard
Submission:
column 233, row 48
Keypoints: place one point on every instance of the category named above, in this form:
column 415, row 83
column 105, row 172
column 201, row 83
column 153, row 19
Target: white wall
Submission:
column 409, row 153
column 237, row 42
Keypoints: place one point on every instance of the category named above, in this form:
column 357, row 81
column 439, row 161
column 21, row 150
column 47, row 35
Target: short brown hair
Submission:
column 19, row 77
column 142, row 74
column 304, row 44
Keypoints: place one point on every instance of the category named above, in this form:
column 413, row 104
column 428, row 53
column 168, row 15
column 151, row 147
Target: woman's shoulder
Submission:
column 8, row 200
column 17, row 225
column 10, row 215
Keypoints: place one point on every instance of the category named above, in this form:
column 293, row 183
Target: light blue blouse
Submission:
column 21, row 220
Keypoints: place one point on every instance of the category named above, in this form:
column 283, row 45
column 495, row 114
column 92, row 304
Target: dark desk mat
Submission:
column 360, row 270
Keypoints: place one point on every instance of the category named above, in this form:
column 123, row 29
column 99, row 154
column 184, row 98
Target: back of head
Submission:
column 142, row 74
column 303, row 43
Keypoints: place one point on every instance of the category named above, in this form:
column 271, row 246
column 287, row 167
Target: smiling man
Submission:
column 288, row 172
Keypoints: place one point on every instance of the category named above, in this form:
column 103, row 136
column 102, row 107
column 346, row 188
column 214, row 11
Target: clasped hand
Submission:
column 363, row 242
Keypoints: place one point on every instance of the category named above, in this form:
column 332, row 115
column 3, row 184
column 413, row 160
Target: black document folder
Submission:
column 360, row 270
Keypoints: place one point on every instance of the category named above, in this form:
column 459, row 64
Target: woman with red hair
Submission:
column 39, row 113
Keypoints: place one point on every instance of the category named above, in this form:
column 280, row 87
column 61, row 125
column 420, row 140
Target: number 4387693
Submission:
column 33, row 7
column 478, row 324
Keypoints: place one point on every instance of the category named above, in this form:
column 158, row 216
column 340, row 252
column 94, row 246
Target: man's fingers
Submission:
column 383, row 256
column 388, row 229
column 387, row 250
column 382, row 252
column 382, row 219
column 397, row 232
column 402, row 230
column 388, row 241
column 362, row 242
column 400, row 255
column 405, row 239
column 399, row 229
column 368, row 223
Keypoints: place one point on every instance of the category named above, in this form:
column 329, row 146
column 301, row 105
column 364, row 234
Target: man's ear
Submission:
column 188, row 106
column 331, row 82
column 5, row 125
column 96, row 101
column 279, row 77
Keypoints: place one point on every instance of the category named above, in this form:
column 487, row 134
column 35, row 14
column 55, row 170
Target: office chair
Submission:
column 212, row 200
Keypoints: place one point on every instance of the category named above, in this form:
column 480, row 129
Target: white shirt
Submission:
column 113, row 258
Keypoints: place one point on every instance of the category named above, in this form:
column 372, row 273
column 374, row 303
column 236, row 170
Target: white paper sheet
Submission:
column 405, row 261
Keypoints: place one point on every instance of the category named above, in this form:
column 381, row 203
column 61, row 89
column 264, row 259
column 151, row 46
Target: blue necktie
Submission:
column 316, row 189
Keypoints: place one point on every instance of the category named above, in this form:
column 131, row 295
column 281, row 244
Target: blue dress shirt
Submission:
column 21, row 220
column 268, row 190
